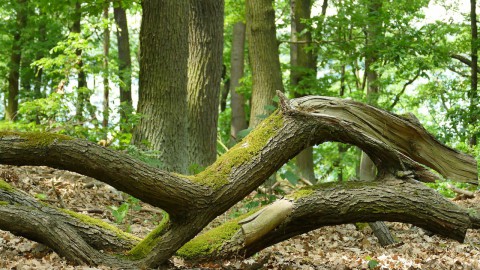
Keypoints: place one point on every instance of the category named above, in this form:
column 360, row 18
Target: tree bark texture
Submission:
column 205, row 39
column 237, row 61
column 163, row 82
column 124, row 62
column 15, row 59
column 264, row 60
column 193, row 201
column 303, row 66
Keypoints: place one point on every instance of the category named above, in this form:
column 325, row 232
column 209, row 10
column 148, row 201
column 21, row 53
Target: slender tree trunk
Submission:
column 367, row 167
column 204, row 79
column 15, row 60
column 474, row 110
column 264, row 60
column 124, row 63
column 81, row 79
column 303, row 65
column 163, row 82
column 42, row 37
column 239, row 120
column 106, row 87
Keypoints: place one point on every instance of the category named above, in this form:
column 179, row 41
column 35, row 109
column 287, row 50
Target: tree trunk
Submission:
column 124, row 64
column 473, row 93
column 106, row 82
column 239, row 120
column 264, row 59
column 15, row 59
column 82, row 92
column 163, row 82
column 367, row 167
column 205, row 39
column 193, row 201
column 303, row 65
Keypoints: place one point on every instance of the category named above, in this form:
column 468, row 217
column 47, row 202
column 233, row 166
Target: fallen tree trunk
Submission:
column 334, row 204
column 399, row 148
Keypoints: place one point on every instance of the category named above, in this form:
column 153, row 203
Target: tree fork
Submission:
column 399, row 147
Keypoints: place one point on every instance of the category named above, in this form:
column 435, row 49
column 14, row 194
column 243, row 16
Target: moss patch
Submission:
column 89, row 220
column 41, row 139
column 5, row 186
column 217, row 174
column 299, row 194
column 4, row 203
column 212, row 240
column 146, row 245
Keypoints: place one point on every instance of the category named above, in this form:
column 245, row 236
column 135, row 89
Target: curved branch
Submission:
column 159, row 188
column 78, row 240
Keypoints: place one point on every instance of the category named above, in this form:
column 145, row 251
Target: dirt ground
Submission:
column 338, row 247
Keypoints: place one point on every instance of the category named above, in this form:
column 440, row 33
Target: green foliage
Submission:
column 119, row 213
column 148, row 156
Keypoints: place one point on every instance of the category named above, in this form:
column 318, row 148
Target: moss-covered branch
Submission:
column 334, row 204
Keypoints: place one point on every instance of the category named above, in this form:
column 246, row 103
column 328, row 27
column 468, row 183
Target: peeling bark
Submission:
column 400, row 148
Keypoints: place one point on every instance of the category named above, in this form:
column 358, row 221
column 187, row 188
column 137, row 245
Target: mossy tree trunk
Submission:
column 264, row 58
column 163, row 82
column 237, row 60
column 193, row 201
column 205, row 39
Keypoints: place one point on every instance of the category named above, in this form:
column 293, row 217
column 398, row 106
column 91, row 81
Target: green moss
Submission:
column 148, row 243
column 5, row 186
column 4, row 203
column 212, row 240
column 102, row 224
column 300, row 194
column 217, row 174
column 41, row 139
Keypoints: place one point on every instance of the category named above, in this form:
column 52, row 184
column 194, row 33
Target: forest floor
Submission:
column 336, row 247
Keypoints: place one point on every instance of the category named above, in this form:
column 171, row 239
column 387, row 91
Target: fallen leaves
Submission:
column 338, row 247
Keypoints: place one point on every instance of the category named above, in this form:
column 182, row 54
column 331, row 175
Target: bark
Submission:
column 11, row 109
column 163, row 82
column 124, row 63
column 193, row 201
column 473, row 93
column 303, row 66
column 205, row 39
column 264, row 58
column 106, row 87
column 239, row 120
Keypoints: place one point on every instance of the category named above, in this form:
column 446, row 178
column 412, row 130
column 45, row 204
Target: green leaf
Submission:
column 291, row 177
column 372, row 264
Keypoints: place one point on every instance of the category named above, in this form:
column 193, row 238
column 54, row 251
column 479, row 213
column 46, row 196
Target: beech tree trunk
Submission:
column 205, row 39
column 237, row 61
column 124, row 63
column 82, row 93
column 264, row 60
column 163, row 82
column 193, row 201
